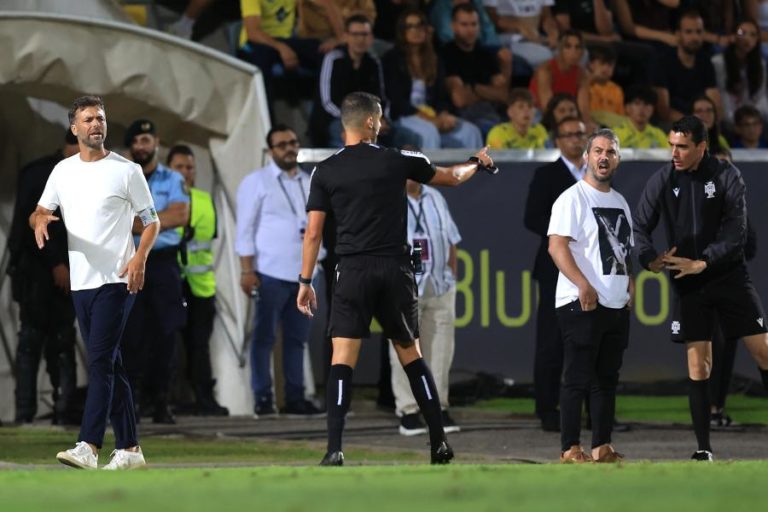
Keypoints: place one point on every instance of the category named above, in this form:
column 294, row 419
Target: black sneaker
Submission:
column 264, row 409
column 302, row 409
column 442, row 454
column 703, row 456
column 448, row 424
column 720, row 420
column 333, row 459
column 411, row 425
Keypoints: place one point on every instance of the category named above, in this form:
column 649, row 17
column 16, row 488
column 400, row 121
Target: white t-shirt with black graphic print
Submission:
column 600, row 227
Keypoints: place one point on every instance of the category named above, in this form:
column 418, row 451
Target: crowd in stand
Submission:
column 451, row 72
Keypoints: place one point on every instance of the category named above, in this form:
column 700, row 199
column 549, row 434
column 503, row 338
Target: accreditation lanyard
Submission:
column 288, row 197
column 419, row 216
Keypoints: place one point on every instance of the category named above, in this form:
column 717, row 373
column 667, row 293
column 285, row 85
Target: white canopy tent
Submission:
column 195, row 95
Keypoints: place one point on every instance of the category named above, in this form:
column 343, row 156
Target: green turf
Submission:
column 654, row 487
column 39, row 446
column 743, row 409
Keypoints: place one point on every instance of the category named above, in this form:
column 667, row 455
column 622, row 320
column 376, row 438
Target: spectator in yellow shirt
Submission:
column 636, row 131
column 606, row 97
column 519, row 132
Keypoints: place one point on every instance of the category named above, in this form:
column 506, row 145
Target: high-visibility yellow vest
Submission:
column 199, row 268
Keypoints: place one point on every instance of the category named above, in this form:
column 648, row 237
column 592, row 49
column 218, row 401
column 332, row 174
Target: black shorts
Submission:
column 731, row 299
column 375, row 286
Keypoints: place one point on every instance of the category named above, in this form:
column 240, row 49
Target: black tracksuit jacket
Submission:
column 704, row 214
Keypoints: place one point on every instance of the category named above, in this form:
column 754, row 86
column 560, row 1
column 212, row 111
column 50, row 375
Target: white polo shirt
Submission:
column 98, row 201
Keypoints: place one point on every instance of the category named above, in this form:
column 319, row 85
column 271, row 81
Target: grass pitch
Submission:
column 656, row 487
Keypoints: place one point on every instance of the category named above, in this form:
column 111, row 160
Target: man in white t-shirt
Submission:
column 590, row 235
column 99, row 192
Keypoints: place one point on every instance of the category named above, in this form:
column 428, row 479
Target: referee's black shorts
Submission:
column 383, row 287
column 731, row 298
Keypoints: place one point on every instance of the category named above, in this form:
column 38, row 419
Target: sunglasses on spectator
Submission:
column 284, row 144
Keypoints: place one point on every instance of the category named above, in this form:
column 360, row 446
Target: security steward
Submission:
column 363, row 186
column 196, row 259
column 159, row 313
column 40, row 284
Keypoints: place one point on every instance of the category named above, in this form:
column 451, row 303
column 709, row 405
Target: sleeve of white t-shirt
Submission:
column 567, row 216
column 50, row 198
column 138, row 190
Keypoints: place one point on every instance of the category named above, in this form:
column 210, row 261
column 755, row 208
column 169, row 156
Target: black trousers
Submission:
column 47, row 328
column 594, row 343
column 197, row 335
column 548, row 358
column 154, row 326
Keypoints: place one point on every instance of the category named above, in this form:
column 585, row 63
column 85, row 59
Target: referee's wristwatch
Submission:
column 305, row 281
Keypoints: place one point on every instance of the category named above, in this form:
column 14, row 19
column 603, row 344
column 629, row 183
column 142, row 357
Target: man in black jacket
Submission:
column 40, row 284
column 548, row 183
column 345, row 69
column 701, row 202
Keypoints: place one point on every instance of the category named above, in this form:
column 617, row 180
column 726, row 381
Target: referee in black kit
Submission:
column 363, row 186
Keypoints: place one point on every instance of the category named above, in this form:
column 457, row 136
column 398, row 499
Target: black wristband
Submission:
column 304, row 281
column 481, row 166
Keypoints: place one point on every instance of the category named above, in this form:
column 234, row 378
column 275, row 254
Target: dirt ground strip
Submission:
column 484, row 437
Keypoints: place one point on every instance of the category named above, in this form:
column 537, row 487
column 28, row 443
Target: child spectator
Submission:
column 637, row 131
column 606, row 97
column 519, row 132
column 748, row 128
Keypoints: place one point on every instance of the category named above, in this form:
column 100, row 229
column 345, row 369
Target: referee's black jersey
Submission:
column 364, row 187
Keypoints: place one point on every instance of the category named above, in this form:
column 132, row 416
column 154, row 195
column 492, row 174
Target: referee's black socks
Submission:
column 337, row 398
column 425, row 393
column 700, row 403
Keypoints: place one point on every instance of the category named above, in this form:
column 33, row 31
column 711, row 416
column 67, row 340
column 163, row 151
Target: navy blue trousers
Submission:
column 102, row 314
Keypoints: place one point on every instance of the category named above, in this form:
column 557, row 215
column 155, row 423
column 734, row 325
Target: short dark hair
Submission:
column 606, row 133
column 642, row 92
column 356, row 18
column 690, row 13
column 571, row 32
column 179, row 149
column 279, row 127
column 358, row 106
column 520, row 94
column 744, row 112
column 603, row 53
column 84, row 102
column 566, row 119
column 467, row 7
column 692, row 127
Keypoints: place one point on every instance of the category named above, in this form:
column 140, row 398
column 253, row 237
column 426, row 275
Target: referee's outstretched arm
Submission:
column 459, row 173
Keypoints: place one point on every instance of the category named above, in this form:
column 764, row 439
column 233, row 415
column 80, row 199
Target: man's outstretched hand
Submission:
column 41, row 221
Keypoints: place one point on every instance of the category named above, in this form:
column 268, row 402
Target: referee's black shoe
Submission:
column 333, row 459
column 442, row 453
column 703, row 456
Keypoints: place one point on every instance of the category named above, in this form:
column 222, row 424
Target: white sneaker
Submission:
column 123, row 459
column 80, row 457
